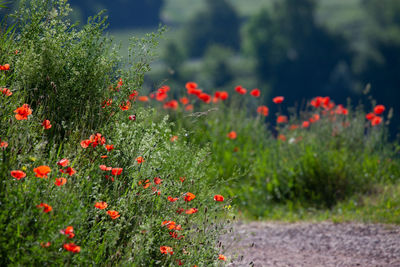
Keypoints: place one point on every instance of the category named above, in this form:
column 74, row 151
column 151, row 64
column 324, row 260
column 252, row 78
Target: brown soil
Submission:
column 312, row 244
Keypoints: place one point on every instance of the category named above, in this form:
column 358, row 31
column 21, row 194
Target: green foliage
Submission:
column 64, row 74
column 218, row 24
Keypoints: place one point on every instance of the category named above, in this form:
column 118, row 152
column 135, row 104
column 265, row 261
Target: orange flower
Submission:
column 282, row 119
column 255, row 92
column 113, row 214
column 143, row 98
column 189, row 197
column 63, row 162
column 314, row 118
column 232, row 135
column 219, row 198
column 240, row 90
column 85, row 143
column 173, row 138
column 60, row 181
column 278, row 99
column 23, row 112
column 171, row 225
column 282, row 137
column 172, row 199
column 293, row 127
column 146, row 183
column 46, row 208
column 140, row 160
column 263, row 110
column 17, row 174
column 221, row 257
column 46, row 124
column 379, row 109
column 72, row 247
column 166, row 250
column 6, row 66
column 191, row 211
column 69, row 231
column 103, row 156
column 125, row 106
column 109, row 147
column 42, row 171
column 184, row 100
column 101, row 205
column 116, row 171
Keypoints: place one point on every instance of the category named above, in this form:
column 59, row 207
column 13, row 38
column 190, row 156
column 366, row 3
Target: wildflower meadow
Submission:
column 95, row 170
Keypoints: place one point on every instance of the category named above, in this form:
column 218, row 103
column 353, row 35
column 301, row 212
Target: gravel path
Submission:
column 313, row 244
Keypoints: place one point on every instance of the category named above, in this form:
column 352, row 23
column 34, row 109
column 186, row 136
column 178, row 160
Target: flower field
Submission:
column 96, row 171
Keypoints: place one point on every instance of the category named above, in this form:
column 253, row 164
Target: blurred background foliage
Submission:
column 295, row 48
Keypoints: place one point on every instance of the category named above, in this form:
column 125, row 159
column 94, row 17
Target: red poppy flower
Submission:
column 140, row 160
column 106, row 103
column 145, row 183
column 206, row 98
column 42, row 171
column 143, row 98
column 189, row 197
column 85, row 143
column 72, row 247
column 173, row 138
column 282, row 119
column 17, row 174
column 46, row 208
column 113, row 214
column 282, row 137
column 255, row 92
column 3, row 144
column 69, row 231
column 161, row 96
column 173, row 104
column 182, row 179
column 263, row 110
column 221, row 257
column 293, row 127
column 278, row 99
column 376, row 121
column 6, row 66
column 164, row 89
column 63, row 162
column 341, row 110
column 166, row 250
column 116, row 171
column 132, row 117
column 223, row 95
column 109, row 147
column 184, row 100
column 133, row 95
column 191, row 211
column 305, row 124
column 70, row 171
column 172, row 199
column 46, row 124
column 191, row 85
column 6, row 91
column 45, row 245
column 316, row 102
column 180, row 210
column 240, row 90
column 125, row 106
column 157, row 180
column 60, row 181
column 232, row 135
column 171, row 225
column 379, row 109
column 370, row 116
column 315, row 118
column 219, row 198
column 101, row 205
column 189, row 107
column 23, row 112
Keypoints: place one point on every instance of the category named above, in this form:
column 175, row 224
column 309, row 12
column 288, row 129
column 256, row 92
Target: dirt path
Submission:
column 313, row 244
